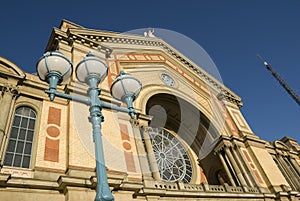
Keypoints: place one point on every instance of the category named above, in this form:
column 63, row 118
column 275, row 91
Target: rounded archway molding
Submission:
column 151, row 90
column 11, row 68
column 192, row 98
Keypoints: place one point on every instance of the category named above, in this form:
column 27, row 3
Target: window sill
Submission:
column 17, row 172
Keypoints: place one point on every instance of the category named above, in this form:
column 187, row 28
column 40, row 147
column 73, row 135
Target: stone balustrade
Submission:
column 203, row 187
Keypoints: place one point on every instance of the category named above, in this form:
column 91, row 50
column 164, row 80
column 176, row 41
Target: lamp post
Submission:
column 54, row 68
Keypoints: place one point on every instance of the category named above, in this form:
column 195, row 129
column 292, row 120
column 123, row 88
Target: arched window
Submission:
column 18, row 152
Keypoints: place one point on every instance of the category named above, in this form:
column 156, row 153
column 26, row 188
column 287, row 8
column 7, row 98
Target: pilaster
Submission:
column 138, row 125
column 262, row 164
column 8, row 94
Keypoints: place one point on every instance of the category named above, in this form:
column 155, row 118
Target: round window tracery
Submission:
column 172, row 159
column 167, row 79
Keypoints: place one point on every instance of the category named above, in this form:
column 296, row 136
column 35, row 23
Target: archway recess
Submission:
column 188, row 122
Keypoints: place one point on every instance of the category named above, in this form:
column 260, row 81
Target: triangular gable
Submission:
column 106, row 41
column 65, row 25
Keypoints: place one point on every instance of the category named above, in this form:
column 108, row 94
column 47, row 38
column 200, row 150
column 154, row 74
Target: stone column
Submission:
column 151, row 157
column 226, row 169
column 241, row 162
column 288, row 171
column 9, row 94
column 140, row 147
column 295, row 165
column 235, row 167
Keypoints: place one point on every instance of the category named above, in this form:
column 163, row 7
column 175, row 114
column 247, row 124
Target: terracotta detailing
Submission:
column 52, row 139
column 127, row 148
column 253, row 167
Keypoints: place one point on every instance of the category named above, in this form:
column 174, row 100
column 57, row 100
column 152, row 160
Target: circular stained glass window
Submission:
column 173, row 161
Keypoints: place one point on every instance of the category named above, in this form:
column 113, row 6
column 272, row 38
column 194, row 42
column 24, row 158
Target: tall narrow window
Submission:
column 18, row 152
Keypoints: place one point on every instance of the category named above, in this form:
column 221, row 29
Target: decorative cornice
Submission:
column 226, row 96
column 57, row 35
column 254, row 141
column 222, row 144
column 96, row 38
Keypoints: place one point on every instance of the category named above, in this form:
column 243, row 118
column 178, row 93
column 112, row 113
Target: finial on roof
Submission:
column 149, row 33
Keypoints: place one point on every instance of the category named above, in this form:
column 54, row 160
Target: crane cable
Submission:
column 280, row 80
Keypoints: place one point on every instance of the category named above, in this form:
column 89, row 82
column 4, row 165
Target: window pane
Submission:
column 26, row 161
column 11, row 146
column 171, row 156
column 31, row 124
column 29, row 136
column 22, row 134
column 17, row 120
column 17, row 161
column 26, row 111
column 27, row 149
column 24, row 122
column 8, row 159
column 20, row 146
column 14, row 132
column 20, row 111
column 32, row 114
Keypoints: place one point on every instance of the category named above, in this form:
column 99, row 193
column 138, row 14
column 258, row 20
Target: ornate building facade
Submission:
column 189, row 141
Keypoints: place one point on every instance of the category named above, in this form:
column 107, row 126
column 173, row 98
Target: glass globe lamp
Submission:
column 54, row 64
column 91, row 66
column 125, row 86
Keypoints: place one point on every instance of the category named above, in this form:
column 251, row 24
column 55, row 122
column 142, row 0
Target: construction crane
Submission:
column 280, row 80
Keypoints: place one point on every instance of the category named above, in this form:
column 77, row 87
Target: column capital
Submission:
column 10, row 89
column 141, row 120
column 145, row 132
column 223, row 145
column 135, row 122
column 280, row 152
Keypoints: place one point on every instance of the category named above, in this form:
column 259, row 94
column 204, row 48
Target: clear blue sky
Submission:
column 231, row 31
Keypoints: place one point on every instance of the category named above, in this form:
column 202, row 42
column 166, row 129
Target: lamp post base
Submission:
column 104, row 198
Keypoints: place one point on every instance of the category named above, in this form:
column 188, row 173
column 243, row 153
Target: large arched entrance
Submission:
column 191, row 125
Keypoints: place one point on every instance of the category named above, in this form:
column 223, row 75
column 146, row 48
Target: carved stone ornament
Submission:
column 167, row 79
column 13, row 90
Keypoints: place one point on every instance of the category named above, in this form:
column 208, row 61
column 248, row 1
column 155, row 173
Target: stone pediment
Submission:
column 106, row 42
column 10, row 69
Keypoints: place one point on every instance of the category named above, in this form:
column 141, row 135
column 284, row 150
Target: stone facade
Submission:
column 53, row 158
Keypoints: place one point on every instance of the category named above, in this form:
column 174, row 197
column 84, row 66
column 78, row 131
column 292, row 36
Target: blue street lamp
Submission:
column 55, row 68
